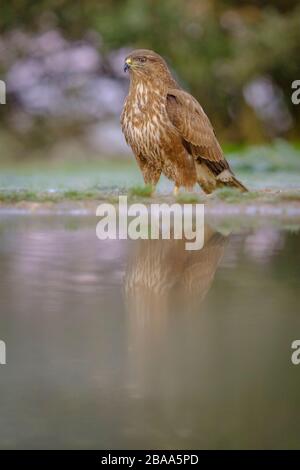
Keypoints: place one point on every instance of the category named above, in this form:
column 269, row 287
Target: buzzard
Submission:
column 168, row 130
column 162, row 275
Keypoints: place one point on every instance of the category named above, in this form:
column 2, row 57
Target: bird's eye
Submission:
column 142, row 59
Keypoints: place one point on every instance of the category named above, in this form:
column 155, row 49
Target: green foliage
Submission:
column 15, row 196
column 141, row 191
column 189, row 198
column 216, row 47
column 280, row 156
column 79, row 195
column 233, row 195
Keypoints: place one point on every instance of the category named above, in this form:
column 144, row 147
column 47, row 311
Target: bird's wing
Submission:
column 199, row 273
column 193, row 125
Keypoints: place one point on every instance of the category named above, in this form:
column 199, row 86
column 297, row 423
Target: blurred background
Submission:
column 62, row 64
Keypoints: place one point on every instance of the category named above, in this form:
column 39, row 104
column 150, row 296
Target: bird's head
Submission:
column 143, row 63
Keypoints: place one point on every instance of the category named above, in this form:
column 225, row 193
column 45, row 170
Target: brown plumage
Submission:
column 163, row 276
column 164, row 288
column 168, row 130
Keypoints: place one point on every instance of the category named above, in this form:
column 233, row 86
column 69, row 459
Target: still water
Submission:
column 122, row 344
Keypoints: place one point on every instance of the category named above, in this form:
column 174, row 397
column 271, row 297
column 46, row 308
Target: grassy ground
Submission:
column 271, row 173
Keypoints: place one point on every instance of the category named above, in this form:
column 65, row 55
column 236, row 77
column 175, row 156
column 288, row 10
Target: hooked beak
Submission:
column 127, row 64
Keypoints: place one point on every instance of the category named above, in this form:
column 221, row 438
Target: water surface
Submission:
column 122, row 344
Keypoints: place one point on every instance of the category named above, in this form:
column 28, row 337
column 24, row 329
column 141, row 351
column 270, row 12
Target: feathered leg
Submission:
column 175, row 190
column 151, row 173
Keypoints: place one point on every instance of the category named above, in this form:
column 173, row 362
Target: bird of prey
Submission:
column 164, row 285
column 163, row 276
column 168, row 130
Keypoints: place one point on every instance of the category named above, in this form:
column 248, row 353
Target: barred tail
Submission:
column 227, row 178
column 235, row 183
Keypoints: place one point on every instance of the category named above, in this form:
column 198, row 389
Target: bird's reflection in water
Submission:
column 162, row 275
column 164, row 287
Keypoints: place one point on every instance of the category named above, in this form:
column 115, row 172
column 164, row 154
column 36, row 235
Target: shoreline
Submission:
column 283, row 214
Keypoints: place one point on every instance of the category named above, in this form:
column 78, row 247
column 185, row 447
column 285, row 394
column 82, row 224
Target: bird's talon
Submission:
column 175, row 190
